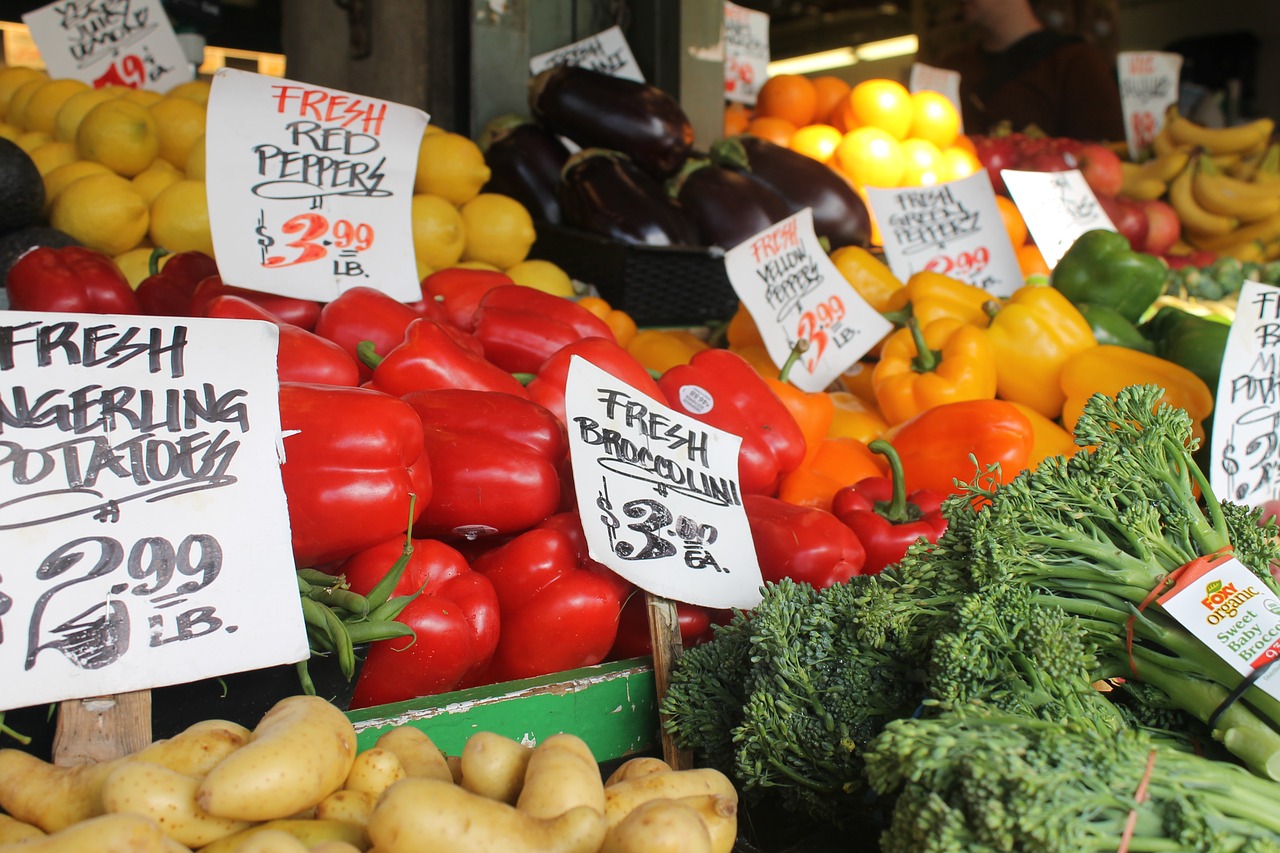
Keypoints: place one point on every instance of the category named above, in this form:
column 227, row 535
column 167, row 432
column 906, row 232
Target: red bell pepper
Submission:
column 454, row 621
column 299, row 312
column 521, row 327
column 353, row 456
column 71, row 278
column 633, row 638
column 495, row 462
column 555, row 615
column 302, row 356
column 431, row 358
column 886, row 519
column 721, row 388
column 365, row 314
column 452, row 295
column 804, row 543
column 936, row 445
column 167, row 291
column 547, row 387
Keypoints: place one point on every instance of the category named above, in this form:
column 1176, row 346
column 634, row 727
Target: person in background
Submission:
column 1025, row 73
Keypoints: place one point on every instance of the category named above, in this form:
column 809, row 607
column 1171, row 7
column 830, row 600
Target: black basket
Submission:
column 657, row 286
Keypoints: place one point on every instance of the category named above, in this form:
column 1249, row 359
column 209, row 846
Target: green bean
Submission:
column 342, row 641
column 383, row 589
column 370, row 632
column 319, row 578
column 392, row 608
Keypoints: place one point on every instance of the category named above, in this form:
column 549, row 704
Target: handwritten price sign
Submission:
column 313, row 238
column 1148, row 85
column 746, row 53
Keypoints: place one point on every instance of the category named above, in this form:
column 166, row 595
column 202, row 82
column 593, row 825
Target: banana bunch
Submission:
column 1229, row 215
column 1150, row 178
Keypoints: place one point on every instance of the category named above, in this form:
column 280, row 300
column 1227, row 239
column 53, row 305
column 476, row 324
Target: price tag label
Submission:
column 795, row 293
column 606, row 52
column 942, row 80
column 314, row 188
column 658, row 493
column 142, row 516
column 1148, row 85
column 746, row 53
column 954, row 229
column 119, row 43
column 1058, row 208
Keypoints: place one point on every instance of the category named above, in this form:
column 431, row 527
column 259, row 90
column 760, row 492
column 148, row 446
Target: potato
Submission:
column 115, row 833
column 12, row 829
column 720, row 815
column 350, row 806
column 308, row 832
column 300, row 752
column 562, row 774
column 494, row 765
column 430, row 816
column 417, row 754
column 373, row 771
column 270, row 841
column 659, row 826
column 197, row 748
column 333, row 847
column 168, row 798
column 454, row 763
column 622, row 798
column 639, row 766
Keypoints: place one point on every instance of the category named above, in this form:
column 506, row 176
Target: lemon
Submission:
column 48, row 99
column 30, row 140
column 151, row 180
column 120, row 135
column 73, row 111
column 499, row 230
column 192, row 90
column 11, row 78
column 434, row 128
column 181, row 123
column 195, row 160
column 53, row 154
column 56, row 180
column 103, row 212
column 542, row 275
column 136, row 264
column 180, row 218
column 16, row 113
column 475, row 265
column 451, row 166
column 438, row 238
column 8, row 131
column 144, row 97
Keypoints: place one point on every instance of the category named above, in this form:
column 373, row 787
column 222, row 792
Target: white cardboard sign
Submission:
column 314, row 187
column 1058, row 208
column 142, row 515
column 953, row 229
column 1244, row 455
column 1148, row 85
column 794, row 292
column 110, row 43
column 746, row 53
column 607, row 52
column 942, row 80
column 658, row 493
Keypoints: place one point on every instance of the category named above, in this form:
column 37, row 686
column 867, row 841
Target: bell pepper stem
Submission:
column 800, row 347
column 897, row 511
column 153, row 260
column 926, row 359
column 367, row 354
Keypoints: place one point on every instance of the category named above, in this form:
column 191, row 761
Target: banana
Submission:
column 1264, row 230
column 1239, row 139
column 1137, row 185
column 1197, row 221
column 1167, row 166
column 1220, row 193
column 1164, row 145
column 1268, row 171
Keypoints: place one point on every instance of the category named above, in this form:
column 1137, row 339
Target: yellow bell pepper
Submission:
column 1048, row 437
column 869, row 275
column 620, row 322
column 854, row 417
column 857, row 380
column 661, row 349
column 1033, row 333
column 933, row 296
column 948, row 361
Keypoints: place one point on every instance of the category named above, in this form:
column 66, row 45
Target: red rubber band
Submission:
column 1139, row 797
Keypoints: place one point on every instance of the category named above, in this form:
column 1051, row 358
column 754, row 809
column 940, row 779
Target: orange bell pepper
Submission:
column 1050, row 439
column 935, row 446
column 868, row 275
column 661, row 349
column 945, row 362
column 813, row 411
column 758, row 357
column 854, row 417
column 619, row 322
column 836, row 463
column 930, row 296
column 742, row 329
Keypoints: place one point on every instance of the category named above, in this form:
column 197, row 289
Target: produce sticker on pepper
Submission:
column 607, row 52
column 1148, row 86
column 1245, row 449
column 142, row 516
column 658, row 493
column 795, row 294
column 1058, row 208
column 953, row 229
column 746, row 53
column 314, row 189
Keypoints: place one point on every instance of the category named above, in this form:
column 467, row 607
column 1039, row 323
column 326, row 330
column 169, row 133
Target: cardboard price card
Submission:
column 795, row 293
column 1058, row 208
column 1148, row 86
column 110, row 43
column 142, row 515
column 1244, row 455
column 746, row 53
column 607, row 52
column 658, row 494
column 954, row 229
column 314, row 187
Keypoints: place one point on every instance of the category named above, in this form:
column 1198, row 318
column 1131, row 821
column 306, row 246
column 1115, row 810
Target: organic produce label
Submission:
column 942, row 80
column 606, row 52
column 1148, row 85
column 746, row 53
column 799, row 300
column 1058, row 208
column 954, row 229
column 1244, row 453
column 314, row 188
column 142, row 516
column 1232, row 612
column 658, row 494
column 110, row 43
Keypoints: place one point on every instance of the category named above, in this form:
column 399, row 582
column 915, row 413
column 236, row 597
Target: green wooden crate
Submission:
column 612, row 706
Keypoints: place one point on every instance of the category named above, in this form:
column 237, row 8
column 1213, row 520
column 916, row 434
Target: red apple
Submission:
column 1164, row 228
column 1128, row 218
column 1101, row 168
column 996, row 153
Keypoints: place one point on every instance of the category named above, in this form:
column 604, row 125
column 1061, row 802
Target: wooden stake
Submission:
column 102, row 728
column 664, row 635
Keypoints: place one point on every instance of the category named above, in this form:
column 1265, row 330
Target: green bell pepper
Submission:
column 1197, row 343
column 1109, row 327
column 1101, row 269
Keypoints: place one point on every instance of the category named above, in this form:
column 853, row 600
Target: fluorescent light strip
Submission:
column 887, row 49
column 822, row 61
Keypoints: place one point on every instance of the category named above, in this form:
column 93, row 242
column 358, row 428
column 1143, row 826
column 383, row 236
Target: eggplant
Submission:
column 605, row 193
column 525, row 160
column 839, row 213
column 726, row 206
column 597, row 110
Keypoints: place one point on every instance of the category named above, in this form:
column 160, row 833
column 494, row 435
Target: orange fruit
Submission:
column 924, row 163
column 831, row 92
column 1014, row 224
column 818, row 141
column 871, row 156
column 882, row 103
column 1031, row 261
column 958, row 162
column 777, row 130
column 736, row 118
column 966, row 143
column 789, row 96
column 934, row 117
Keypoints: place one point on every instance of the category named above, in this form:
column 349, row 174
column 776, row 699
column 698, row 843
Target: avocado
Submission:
column 21, row 188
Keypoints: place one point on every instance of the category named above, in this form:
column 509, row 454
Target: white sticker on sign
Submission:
column 142, row 515
column 1244, row 456
column 1058, row 208
column 746, row 53
column 795, row 294
column 607, row 52
column 954, row 229
column 314, row 188
column 1148, row 86
column 658, row 494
